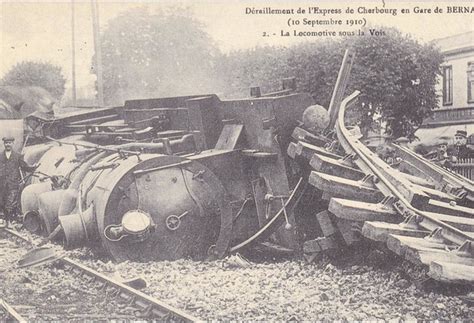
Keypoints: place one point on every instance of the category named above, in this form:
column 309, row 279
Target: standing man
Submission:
column 10, row 176
column 460, row 145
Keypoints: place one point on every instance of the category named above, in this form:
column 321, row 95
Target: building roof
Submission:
column 456, row 44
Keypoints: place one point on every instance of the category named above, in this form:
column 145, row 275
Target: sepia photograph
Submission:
column 241, row 160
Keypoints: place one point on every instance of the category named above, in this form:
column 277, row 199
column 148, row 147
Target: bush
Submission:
column 45, row 75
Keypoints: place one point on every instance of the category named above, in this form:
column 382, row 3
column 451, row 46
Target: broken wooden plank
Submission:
column 348, row 230
column 345, row 188
column 320, row 244
column 334, row 167
column 451, row 272
column 362, row 211
column 379, row 231
column 325, row 223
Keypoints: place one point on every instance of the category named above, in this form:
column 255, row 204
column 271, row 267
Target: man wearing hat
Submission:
column 460, row 145
column 10, row 164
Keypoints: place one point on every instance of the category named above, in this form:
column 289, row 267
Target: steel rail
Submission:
column 11, row 312
column 437, row 172
column 362, row 158
column 149, row 304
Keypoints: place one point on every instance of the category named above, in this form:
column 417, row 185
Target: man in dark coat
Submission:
column 460, row 145
column 10, row 164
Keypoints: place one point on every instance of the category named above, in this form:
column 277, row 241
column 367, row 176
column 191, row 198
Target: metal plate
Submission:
column 37, row 256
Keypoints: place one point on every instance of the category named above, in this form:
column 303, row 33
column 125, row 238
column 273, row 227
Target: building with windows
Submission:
column 455, row 89
column 457, row 86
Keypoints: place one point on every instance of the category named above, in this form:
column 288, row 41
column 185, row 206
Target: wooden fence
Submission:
column 464, row 167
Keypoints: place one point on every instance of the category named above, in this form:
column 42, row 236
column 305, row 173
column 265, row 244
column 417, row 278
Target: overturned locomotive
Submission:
column 162, row 179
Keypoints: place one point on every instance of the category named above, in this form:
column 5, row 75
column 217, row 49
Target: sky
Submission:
column 41, row 31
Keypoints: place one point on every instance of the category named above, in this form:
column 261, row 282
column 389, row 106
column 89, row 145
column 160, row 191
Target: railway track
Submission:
column 147, row 307
column 9, row 314
column 417, row 211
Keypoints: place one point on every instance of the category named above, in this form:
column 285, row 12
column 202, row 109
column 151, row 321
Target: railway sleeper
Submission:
column 359, row 188
column 306, row 150
column 362, row 211
column 335, row 167
column 448, row 209
column 445, row 261
column 336, row 186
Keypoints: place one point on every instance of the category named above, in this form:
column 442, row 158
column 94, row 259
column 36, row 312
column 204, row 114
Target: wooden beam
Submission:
column 463, row 224
column 435, row 194
column 426, row 256
column 424, row 251
column 325, row 223
column 301, row 134
column 362, row 211
column 340, row 87
column 448, row 208
column 307, row 150
column 320, row 244
column 345, row 188
column 408, row 168
column 411, row 192
column 379, row 231
column 292, row 150
column 348, row 229
column 419, row 181
column 451, row 272
column 400, row 244
column 334, row 167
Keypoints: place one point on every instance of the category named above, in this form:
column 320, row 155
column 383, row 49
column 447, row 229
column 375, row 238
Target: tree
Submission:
column 159, row 54
column 45, row 75
column 395, row 74
column 397, row 77
column 260, row 66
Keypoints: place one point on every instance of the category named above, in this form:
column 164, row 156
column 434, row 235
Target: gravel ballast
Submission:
column 371, row 285
column 233, row 289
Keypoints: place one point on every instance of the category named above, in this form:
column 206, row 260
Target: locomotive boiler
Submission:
column 168, row 178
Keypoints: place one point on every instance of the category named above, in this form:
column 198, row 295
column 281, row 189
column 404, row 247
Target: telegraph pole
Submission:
column 73, row 43
column 98, row 52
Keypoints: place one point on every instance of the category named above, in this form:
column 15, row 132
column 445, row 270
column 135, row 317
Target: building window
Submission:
column 447, row 85
column 470, row 82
